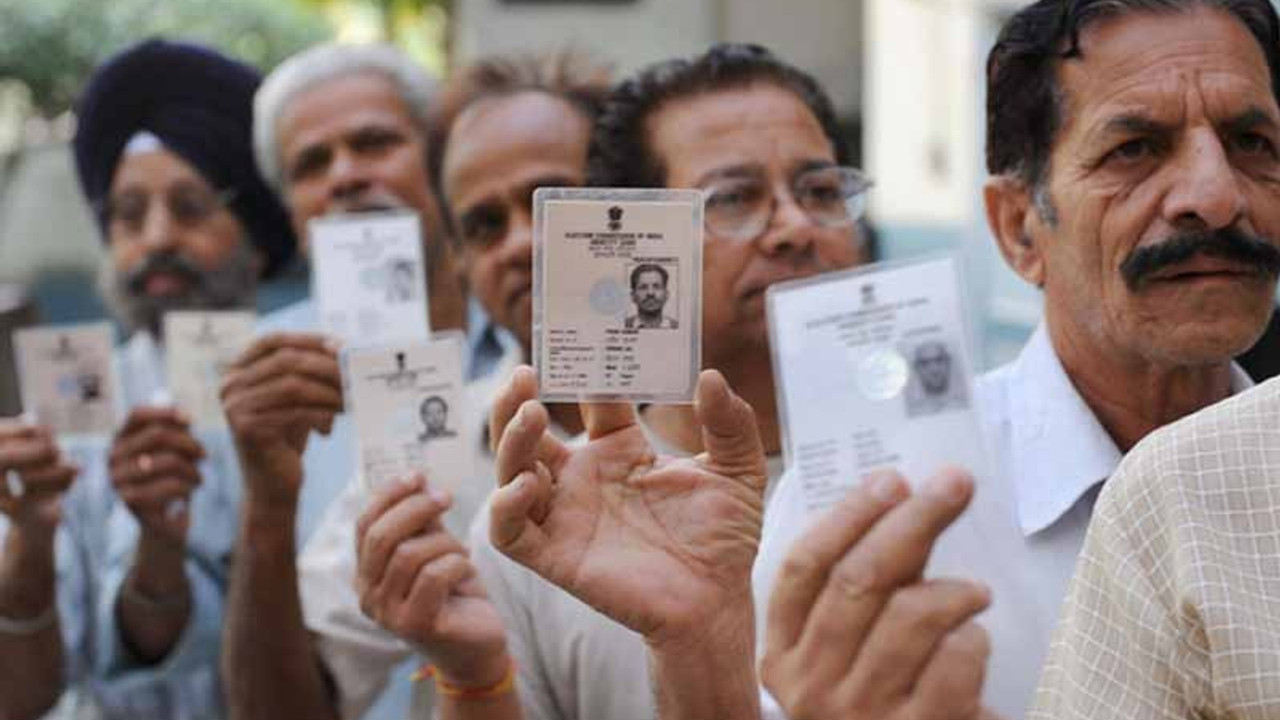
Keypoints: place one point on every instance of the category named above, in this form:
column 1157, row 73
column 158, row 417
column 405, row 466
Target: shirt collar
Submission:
column 488, row 344
column 1060, row 450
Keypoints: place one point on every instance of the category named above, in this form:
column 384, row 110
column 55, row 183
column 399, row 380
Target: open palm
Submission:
column 658, row 544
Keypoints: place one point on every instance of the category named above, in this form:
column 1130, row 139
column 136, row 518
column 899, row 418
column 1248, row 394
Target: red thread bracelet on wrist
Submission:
column 448, row 689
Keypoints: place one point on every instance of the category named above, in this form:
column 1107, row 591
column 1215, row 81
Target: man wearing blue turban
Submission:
column 126, row 612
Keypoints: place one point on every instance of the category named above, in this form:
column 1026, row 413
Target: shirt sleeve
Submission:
column 1123, row 649
column 360, row 655
column 186, row 682
column 503, row 581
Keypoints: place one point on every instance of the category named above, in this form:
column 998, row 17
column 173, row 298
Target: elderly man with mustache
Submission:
column 104, row 599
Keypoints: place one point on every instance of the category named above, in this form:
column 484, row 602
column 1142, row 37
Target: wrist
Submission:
column 710, row 672
column 159, row 569
column 479, row 673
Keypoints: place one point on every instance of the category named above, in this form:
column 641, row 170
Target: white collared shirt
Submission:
column 1025, row 526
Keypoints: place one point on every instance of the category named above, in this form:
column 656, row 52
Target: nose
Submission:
column 1206, row 193
column 790, row 230
column 159, row 231
column 348, row 176
column 517, row 246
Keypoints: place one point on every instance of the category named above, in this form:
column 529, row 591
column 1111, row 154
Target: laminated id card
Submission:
column 199, row 347
column 873, row 370
column 368, row 277
column 617, row 287
column 408, row 405
column 67, row 378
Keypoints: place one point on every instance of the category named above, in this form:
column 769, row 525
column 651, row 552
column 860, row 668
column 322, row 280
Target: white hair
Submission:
column 320, row 64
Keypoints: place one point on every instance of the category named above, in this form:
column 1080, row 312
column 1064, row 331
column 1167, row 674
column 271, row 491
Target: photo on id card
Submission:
column 873, row 370
column 368, row 277
column 407, row 402
column 199, row 347
column 67, row 378
column 617, row 294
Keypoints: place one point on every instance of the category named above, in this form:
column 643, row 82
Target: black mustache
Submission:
column 1229, row 243
column 163, row 262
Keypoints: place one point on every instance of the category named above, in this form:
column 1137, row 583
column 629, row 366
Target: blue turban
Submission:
column 200, row 106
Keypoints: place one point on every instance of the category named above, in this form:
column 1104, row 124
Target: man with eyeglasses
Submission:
column 780, row 206
column 113, row 609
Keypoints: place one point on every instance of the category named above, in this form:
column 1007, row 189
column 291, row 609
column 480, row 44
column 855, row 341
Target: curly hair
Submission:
column 620, row 155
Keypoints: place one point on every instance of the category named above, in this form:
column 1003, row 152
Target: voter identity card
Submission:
column 368, row 277
column 617, row 287
column 408, row 405
column 199, row 347
column 873, row 371
column 67, row 378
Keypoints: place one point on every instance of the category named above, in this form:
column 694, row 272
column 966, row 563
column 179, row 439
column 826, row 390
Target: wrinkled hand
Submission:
column 282, row 388
column 416, row 580
column 659, row 544
column 853, row 629
column 33, row 475
column 154, row 469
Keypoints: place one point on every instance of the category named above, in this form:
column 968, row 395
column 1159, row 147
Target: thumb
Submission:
column 729, row 433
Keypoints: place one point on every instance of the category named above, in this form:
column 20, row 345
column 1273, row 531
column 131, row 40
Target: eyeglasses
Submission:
column 741, row 208
column 189, row 206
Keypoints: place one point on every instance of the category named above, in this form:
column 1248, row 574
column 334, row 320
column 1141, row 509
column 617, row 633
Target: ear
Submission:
column 1012, row 219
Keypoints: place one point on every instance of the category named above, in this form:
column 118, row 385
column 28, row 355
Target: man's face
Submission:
column 763, row 132
column 933, row 365
column 172, row 242
column 499, row 151
column 1171, row 129
column 650, row 292
column 434, row 416
column 350, row 144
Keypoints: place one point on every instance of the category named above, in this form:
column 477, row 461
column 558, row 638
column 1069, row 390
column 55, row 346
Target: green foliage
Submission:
column 52, row 46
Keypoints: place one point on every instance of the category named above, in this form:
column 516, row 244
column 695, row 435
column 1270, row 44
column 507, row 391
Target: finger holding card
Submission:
column 33, row 474
column 154, row 463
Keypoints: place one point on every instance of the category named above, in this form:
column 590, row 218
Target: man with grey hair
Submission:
column 337, row 129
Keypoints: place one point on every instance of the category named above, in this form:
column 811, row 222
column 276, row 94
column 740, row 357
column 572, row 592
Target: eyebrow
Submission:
column 732, row 171
column 1253, row 118
column 1135, row 125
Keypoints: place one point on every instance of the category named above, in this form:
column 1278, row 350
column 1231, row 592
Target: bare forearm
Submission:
column 711, row 675
column 33, row 662
column 269, row 664
column 154, row 604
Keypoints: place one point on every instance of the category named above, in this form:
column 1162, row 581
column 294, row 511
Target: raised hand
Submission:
column 33, row 475
column 283, row 387
column 154, row 469
column 659, row 544
column 415, row 580
column 853, row 629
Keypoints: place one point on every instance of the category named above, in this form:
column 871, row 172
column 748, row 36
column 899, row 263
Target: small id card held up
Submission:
column 408, row 405
column 873, row 371
column 199, row 347
column 617, row 287
column 368, row 278
column 67, row 378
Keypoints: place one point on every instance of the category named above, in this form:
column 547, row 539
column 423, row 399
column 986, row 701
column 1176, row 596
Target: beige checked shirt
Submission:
column 1174, row 610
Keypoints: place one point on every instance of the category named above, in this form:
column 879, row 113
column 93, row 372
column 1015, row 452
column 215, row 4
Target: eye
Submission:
column 309, row 164
column 374, row 140
column 734, row 198
column 483, row 226
column 1252, row 143
column 1131, row 151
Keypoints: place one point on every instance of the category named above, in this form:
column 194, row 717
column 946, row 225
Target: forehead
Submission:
column 328, row 109
column 529, row 131
column 1160, row 64
column 652, row 275
column 759, row 124
column 156, row 168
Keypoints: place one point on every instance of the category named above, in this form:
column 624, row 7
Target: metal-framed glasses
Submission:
column 188, row 205
column 741, row 206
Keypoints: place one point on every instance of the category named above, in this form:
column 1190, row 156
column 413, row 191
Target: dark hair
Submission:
column 620, row 155
column 643, row 268
column 567, row 74
column 1025, row 105
column 433, row 399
